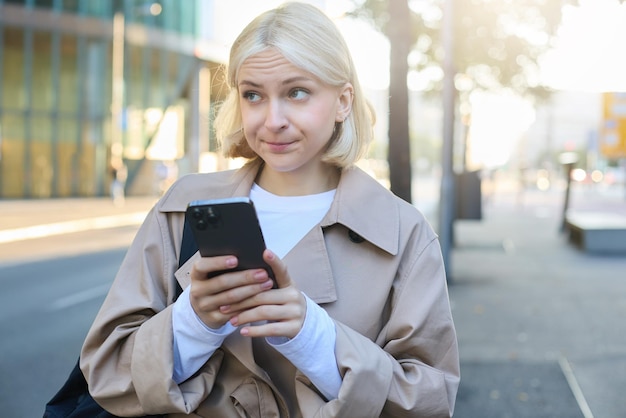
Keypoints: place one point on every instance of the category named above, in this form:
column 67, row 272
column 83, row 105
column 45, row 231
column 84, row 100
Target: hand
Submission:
column 208, row 296
column 284, row 308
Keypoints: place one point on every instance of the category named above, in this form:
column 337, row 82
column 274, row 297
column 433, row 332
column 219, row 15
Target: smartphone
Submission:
column 228, row 227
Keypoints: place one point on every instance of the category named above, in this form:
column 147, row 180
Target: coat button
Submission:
column 354, row 237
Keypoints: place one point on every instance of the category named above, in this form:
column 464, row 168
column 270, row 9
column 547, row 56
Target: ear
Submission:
column 346, row 94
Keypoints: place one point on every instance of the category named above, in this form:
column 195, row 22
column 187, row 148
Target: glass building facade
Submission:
column 88, row 86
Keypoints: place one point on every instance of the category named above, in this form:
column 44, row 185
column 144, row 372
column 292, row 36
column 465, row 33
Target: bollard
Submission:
column 568, row 160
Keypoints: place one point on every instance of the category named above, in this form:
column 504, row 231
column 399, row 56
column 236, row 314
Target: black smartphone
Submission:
column 228, row 227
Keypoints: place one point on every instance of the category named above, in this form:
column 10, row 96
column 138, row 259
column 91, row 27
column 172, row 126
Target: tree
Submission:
column 496, row 46
column 402, row 35
column 399, row 155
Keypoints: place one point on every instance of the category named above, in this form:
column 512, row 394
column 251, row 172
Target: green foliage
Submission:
column 497, row 43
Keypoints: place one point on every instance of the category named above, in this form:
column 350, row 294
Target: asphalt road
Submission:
column 52, row 289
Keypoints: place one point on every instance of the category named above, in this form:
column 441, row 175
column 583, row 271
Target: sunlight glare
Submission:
column 588, row 55
column 498, row 122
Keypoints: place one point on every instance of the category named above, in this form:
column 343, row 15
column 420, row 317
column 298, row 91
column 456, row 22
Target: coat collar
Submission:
column 364, row 206
column 361, row 203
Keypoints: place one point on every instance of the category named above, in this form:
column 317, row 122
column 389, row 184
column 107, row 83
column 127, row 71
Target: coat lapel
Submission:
column 309, row 267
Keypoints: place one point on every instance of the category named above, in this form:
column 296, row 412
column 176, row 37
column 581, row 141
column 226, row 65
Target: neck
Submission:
column 294, row 184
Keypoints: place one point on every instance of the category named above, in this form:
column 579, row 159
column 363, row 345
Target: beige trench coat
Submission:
column 373, row 263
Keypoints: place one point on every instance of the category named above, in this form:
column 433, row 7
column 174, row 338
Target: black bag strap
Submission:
column 188, row 247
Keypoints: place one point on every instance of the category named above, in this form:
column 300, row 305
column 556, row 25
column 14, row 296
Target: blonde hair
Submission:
column 306, row 37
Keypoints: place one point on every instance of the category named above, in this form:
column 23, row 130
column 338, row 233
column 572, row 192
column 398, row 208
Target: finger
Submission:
column 215, row 303
column 284, row 306
column 279, row 268
column 233, row 298
column 205, row 266
column 274, row 324
column 232, row 287
column 271, row 329
column 269, row 312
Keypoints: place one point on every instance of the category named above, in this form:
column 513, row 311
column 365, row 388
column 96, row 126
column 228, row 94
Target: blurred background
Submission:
column 117, row 97
column 503, row 121
column 94, row 87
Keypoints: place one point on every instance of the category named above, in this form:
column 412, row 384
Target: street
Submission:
column 51, row 291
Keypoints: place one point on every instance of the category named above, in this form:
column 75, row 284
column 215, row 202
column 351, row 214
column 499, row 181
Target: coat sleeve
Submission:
column 412, row 370
column 127, row 356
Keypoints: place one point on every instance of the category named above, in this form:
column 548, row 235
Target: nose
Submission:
column 276, row 118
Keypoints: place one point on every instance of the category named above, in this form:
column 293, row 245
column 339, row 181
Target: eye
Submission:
column 251, row 96
column 298, row 94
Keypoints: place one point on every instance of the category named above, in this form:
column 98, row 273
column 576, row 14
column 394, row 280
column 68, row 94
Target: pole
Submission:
column 446, row 199
column 117, row 93
column 568, row 160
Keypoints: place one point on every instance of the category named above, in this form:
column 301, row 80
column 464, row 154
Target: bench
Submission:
column 597, row 232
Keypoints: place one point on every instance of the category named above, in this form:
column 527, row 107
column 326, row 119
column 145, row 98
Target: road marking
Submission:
column 79, row 297
column 566, row 368
column 58, row 228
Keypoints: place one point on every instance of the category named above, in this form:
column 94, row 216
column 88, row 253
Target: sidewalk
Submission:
column 538, row 320
column 23, row 219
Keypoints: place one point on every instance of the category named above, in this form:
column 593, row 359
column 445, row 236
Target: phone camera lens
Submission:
column 212, row 215
column 201, row 225
column 197, row 213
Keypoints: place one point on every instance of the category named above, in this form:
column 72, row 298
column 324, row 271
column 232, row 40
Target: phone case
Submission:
column 228, row 227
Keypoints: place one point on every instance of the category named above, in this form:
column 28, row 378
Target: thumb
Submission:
column 279, row 268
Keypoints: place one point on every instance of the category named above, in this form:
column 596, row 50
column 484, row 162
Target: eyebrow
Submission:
column 284, row 83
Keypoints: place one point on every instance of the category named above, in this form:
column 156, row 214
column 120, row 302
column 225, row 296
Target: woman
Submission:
column 360, row 324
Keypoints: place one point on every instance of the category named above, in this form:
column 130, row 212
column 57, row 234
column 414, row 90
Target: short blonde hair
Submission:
column 306, row 37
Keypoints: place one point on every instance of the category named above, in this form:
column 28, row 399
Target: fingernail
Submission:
column 234, row 321
column 244, row 331
column 260, row 275
column 267, row 285
column 231, row 261
column 224, row 308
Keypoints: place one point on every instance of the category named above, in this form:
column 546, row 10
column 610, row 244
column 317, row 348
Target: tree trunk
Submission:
column 399, row 155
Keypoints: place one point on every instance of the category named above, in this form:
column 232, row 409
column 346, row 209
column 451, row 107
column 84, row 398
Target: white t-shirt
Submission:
column 285, row 220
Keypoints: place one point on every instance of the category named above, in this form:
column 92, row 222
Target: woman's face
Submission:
column 288, row 114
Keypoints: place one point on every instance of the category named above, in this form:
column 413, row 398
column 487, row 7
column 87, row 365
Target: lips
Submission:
column 278, row 146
